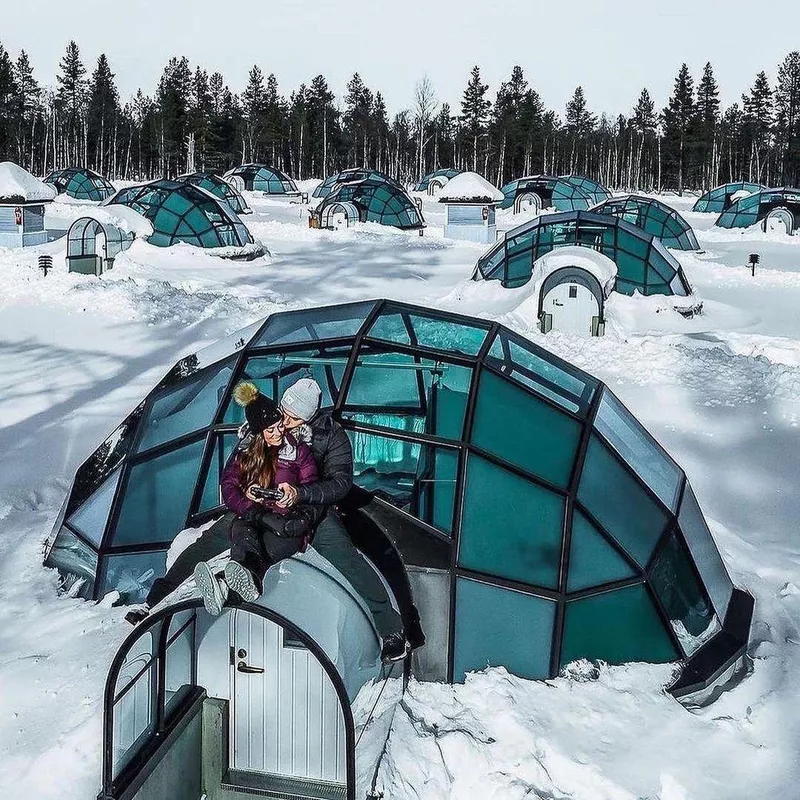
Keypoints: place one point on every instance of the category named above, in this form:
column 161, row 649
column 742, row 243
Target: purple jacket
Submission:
column 298, row 471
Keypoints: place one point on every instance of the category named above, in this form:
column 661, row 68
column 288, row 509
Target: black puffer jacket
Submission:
column 334, row 455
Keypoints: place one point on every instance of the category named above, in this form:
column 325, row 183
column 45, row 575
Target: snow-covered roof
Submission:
column 597, row 264
column 469, row 187
column 17, row 185
column 123, row 217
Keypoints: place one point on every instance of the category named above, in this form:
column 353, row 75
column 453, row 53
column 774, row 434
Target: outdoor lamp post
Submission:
column 753, row 260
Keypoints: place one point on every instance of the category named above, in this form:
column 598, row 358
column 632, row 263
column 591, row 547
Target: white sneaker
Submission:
column 241, row 580
column 213, row 591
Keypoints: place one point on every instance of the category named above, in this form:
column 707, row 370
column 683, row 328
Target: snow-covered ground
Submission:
column 721, row 392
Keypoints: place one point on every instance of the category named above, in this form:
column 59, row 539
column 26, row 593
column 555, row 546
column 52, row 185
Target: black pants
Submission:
column 259, row 548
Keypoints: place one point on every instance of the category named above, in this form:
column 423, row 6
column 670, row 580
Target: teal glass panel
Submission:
column 511, row 527
column 616, row 627
column 630, row 268
column 190, row 407
column 638, row 449
column 619, row 503
column 592, row 560
column 438, row 334
column 178, row 667
column 90, row 519
column 157, row 497
column 685, row 602
column 518, row 427
column 308, row 326
column 416, row 477
column 131, row 574
column 391, row 328
column 77, row 563
column 212, row 494
column 498, row 627
column 704, row 552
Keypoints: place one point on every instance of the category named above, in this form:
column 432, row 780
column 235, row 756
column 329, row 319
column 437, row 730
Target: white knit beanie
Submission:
column 302, row 399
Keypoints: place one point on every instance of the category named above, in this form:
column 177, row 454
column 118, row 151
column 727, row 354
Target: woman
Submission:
column 263, row 532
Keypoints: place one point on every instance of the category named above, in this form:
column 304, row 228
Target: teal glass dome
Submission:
column 720, row 198
column 81, row 183
column 643, row 263
column 547, row 523
column 261, row 178
column 653, row 217
column 372, row 199
column 757, row 207
column 425, row 181
column 219, row 188
column 567, row 193
column 182, row 212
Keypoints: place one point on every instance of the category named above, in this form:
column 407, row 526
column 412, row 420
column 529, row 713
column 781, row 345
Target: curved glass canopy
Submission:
column 755, row 207
column 218, row 187
column 561, row 527
column 653, row 217
column 425, row 182
column 377, row 200
column 81, row 183
column 720, row 198
column 568, row 193
column 643, row 263
column 351, row 176
column 182, row 212
column 261, row 178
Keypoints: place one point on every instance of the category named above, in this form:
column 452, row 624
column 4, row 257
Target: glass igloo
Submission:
column 643, row 263
column 219, row 188
column 718, row 199
column 596, row 190
column 181, row 212
column 372, row 199
column 80, row 183
column 538, row 522
column 261, row 178
column 653, row 217
column 569, row 193
column 781, row 205
column 438, row 178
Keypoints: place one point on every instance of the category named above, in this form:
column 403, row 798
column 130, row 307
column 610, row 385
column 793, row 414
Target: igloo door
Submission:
column 286, row 720
column 779, row 220
column 572, row 307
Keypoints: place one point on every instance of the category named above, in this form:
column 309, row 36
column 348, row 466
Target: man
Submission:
column 331, row 448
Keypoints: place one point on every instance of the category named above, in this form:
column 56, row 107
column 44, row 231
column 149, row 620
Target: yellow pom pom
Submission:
column 245, row 392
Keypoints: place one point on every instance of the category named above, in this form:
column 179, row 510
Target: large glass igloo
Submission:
column 567, row 193
column 643, row 263
column 80, row 183
column 261, row 178
column 779, row 205
column 721, row 197
column 371, row 199
column 438, row 178
column 537, row 520
column 653, row 217
column 349, row 176
column 182, row 212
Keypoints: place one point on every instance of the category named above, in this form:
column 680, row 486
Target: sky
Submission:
column 611, row 48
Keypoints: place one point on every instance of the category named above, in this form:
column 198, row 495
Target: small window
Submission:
column 573, row 291
column 292, row 641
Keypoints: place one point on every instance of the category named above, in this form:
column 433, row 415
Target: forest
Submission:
column 194, row 121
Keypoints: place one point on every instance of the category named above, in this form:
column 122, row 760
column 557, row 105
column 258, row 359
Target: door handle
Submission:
column 248, row 670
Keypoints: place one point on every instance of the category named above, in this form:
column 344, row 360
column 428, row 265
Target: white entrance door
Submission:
column 572, row 307
column 339, row 220
column 779, row 220
column 286, row 718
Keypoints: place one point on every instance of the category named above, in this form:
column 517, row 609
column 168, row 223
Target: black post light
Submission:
column 753, row 259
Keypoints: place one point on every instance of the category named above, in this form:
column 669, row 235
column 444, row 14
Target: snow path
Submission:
column 721, row 392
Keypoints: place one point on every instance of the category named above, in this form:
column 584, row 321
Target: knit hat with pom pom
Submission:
column 260, row 411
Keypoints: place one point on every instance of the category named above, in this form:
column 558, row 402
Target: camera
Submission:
column 262, row 493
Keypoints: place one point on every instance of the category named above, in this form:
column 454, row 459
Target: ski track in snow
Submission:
column 722, row 393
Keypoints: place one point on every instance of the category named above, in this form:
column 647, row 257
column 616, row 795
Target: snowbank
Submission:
column 469, row 187
column 123, row 217
column 17, row 185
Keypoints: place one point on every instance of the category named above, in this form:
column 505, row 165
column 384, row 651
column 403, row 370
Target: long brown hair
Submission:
column 258, row 463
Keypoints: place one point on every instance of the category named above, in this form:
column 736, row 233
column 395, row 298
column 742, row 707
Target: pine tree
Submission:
column 708, row 111
column 579, row 124
column 254, row 104
column 444, row 142
column 643, row 124
column 323, row 119
column 174, row 104
column 357, row 120
column 200, row 116
column 475, row 111
column 757, row 126
column 379, row 123
column 8, row 104
column 679, row 116
column 510, row 123
column 27, row 102
column 787, row 107
column 71, row 98
column 102, row 113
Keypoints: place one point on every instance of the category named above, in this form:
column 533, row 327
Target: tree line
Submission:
column 194, row 121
